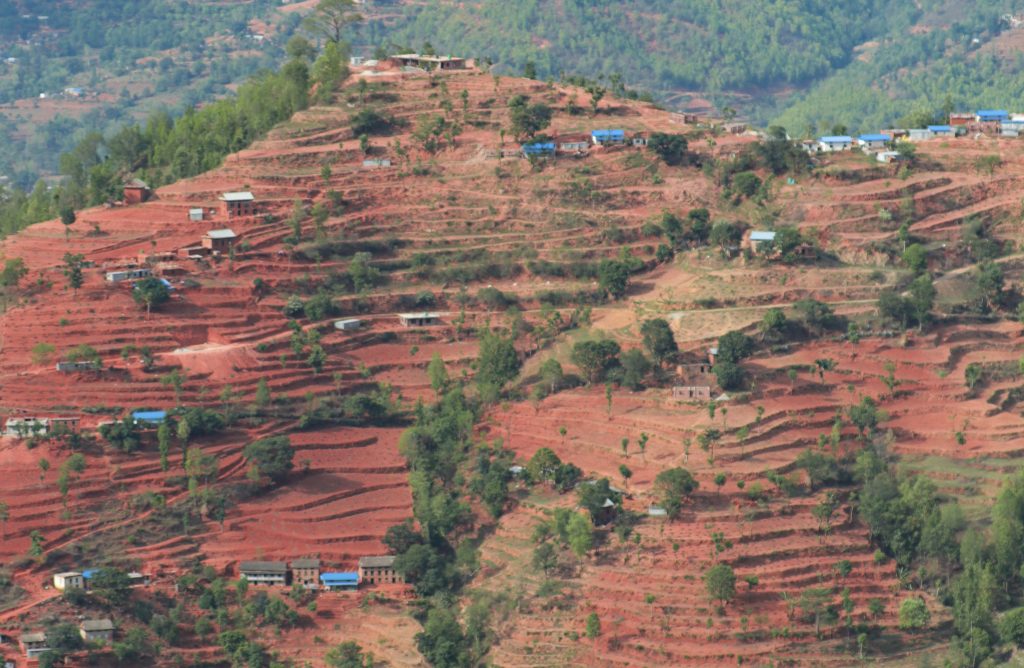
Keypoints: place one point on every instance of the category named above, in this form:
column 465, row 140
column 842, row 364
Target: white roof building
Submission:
column 244, row 196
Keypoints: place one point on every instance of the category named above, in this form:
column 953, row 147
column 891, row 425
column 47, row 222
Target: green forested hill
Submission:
column 801, row 60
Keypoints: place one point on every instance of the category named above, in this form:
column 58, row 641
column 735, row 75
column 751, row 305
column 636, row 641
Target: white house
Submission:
column 919, row 134
column 68, row 580
column 872, row 142
column 835, row 143
column 888, row 156
column 348, row 325
column 127, row 275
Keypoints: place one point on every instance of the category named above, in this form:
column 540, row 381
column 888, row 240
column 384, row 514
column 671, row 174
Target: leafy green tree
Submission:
column 272, row 457
column 635, row 367
column 14, row 270
column 922, row 298
column 73, row 270
column 613, row 278
column 581, row 535
column 720, row 583
column 916, row 258
column 734, row 347
column 163, row 440
column 596, row 358
column 914, row 614
column 150, row 292
column 673, row 486
column 111, row 584
column 551, row 374
column 497, row 364
column 442, row 641
column 593, row 629
column 348, row 655
column 659, row 340
column 330, row 18
column 673, row 149
column 990, row 282
column 746, row 184
column 438, row 374
column 725, row 235
column 528, row 119
column 67, row 219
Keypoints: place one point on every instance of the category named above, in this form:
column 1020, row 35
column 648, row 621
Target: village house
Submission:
column 36, row 426
column 691, row 393
column 136, row 579
column 97, row 630
column 78, row 365
column 575, row 144
column 122, row 275
column 264, row 572
column 136, row 192
column 379, row 570
column 347, row 581
column 957, row 120
column 219, row 240
column 736, row 128
column 428, row 62
column 991, row 116
column 888, row 157
column 306, row 572
column 348, row 325
column 941, row 131
column 238, row 204
column 68, row 580
column 419, row 319
column 832, row 144
column 34, row 644
column 919, row 134
column 872, row 142
column 608, row 137
column 539, row 149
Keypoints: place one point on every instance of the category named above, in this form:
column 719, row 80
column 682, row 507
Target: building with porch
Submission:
column 34, row 643
column 419, row 319
column 347, row 581
column 428, row 62
column 264, row 572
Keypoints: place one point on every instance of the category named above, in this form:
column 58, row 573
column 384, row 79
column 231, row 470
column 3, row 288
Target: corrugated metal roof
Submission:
column 152, row 416
column 306, row 563
column 878, row 137
column 35, row 636
column 97, row 625
column 225, row 233
column 263, row 566
column 939, row 128
column 838, row 139
column 340, row 578
column 377, row 562
column 244, row 196
column 762, row 235
column 608, row 134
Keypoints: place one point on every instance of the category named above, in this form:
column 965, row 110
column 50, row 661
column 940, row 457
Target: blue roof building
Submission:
column 940, row 129
column 89, row 572
column 837, row 139
column 348, row 580
column 539, row 148
column 152, row 417
column 992, row 115
column 608, row 136
column 873, row 138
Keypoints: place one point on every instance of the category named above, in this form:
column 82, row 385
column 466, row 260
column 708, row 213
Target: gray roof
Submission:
column 376, row 562
column 244, row 196
column 221, row 234
column 97, row 625
column 306, row 563
column 35, row 636
column 264, row 567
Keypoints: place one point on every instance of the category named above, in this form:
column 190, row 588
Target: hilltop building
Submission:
column 428, row 62
column 832, row 144
column 608, row 137
column 419, row 319
column 872, row 142
column 136, row 192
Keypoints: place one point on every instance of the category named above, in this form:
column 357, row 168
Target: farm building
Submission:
column 991, row 116
column 574, row 143
column 136, row 192
column 758, row 237
column 264, row 572
column 196, row 215
column 608, row 137
column 428, row 62
column 539, row 149
column 238, row 204
column 150, row 417
column 419, row 319
column 349, row 325
column 219, row 240
column 306, row 572
column 872, row 142
column 34, row 644
column 379, row 570
column 691, row 393
column 80, row 365
column 68, row 580
column 97, row 630
column 347, row 581
column 835, row 143
column 127, row 275
column 941, row 131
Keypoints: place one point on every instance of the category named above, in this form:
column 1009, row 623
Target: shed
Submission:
column 347, row 581
column 306, row 572
column 150, row 417
column 219, row 240
column 196, row 215
column 1009, row 133
column 68, row 580
column 639, row 140
column 97, row 630
column 136, row 192
column 419, row 319
column 656, row 511
column 991, row 115
column 871, row 142
column 238, row 204
column 604, row 137
column 348, row 325
column 691, row 393
column 379, row 570
column 831, row 144
column 941, row 131
column 264, row 572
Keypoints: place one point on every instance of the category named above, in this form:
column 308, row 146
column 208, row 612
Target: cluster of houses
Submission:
column 576, row 144
column 27, row 427
column 35, row 643
column 990, row 121
column 306, row 572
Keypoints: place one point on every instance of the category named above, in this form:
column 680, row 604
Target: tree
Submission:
column 5, row 514
column 673, row 149
column 150, row 292
column 1011, row 626
column 330, row 69
column 262, row 398
column 728, row 374
column 725, row 235
column 163, row 440
column 581, row 535
column 922, row 298
column 442, row 641
column 73, row 270
column 551, row 374
column 720, row 481
column 914, row 614
column 916, row 258
column 348, row 655
column 330, row 18
column 36, row 547
column 635, row 367
column 659, row 340
column 814, row 315
column 595, row 358
column 613, row 278
column 272, row 457
column 990, row 282
column 746, row 183
column 67, row 219
column 593, row 625
column 528, row 119
column 530, row 70
column 597, row 93
column 720, row 583
column 973, row 373
column 14, row 270
column 438, row 374
column 814, row 602
column 734, row 347
column 496, row 365
column 625, row 473
column 111, row 584
column 673, row 486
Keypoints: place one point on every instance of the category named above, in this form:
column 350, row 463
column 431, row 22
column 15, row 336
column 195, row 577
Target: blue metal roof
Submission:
column 874, row 137
column 838, row 139
column 993, row 113
column 150, row 416
column 539, row 147
column 762, row 236
column 939, row 128
column 340, row 578
column 89, row 572
column 608, row 134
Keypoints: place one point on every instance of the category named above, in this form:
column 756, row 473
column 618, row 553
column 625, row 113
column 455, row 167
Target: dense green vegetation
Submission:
column 175, row 55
